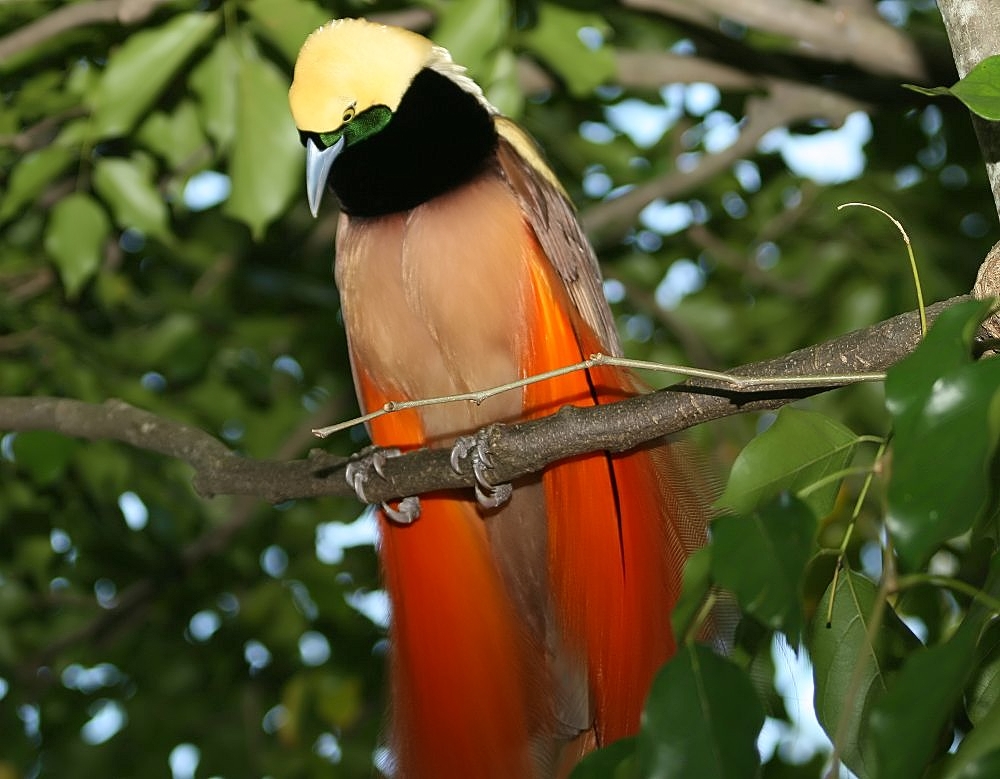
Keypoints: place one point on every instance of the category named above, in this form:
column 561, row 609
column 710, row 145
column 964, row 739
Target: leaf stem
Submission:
column 913, row 262
column 914, row 579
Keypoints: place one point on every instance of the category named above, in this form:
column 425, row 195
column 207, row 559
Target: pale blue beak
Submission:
column 318, row 164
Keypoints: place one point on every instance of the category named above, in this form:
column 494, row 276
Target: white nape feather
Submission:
column 441, row 62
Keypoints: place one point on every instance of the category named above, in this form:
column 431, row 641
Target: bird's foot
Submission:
column 476, row 449
column 359, row 471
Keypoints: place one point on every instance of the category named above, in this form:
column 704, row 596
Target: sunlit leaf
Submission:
column 761, row 558
column 979, row 89
column 214, row 81
column 502, row 88
column 177, row 137
column 74, row 238
column 702, row 719
column 794, row 453
column 286, row 23
column 138, row 72
column 945, row 412
column 267, row 160
column 33, row 173
column 556, row 40
column 469, row 30
column 131, row 195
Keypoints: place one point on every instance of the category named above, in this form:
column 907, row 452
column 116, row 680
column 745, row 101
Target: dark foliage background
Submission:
column 155, row 246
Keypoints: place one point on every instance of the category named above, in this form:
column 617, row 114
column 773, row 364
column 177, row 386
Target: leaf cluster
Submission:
column 155, row 247
column 881, row 565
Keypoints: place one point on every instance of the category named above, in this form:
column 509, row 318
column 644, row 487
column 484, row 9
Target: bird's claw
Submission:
column 358, row 471
column 406, row 513
column 475, row 448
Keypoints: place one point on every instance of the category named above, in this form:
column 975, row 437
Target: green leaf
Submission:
column 175, row 346
column 340, row 701
column 32, row 175
column 556, row 41
column 286, row 23
column 131, row 195
column 615, row 761
column 176, row 137
column 984, row 688
column 979, row 90
column 984, row 766
column 695, row 586
column 777, row 768
column 945, row 413
column 979, row 750
column 850, row 668
column 929, row 91
column 266, row 164
column 908, row 724
column 762, row 558
column 502, row 88
column 799, row 449
column 74, row 238
column 139, row 71
column 214, row 81
column 469, row 29
column 702, row 719
column 44, row 455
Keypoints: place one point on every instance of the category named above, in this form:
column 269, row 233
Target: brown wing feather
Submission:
column 553, row 219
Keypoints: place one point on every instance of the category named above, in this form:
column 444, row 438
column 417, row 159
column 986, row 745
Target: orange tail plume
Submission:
column 477, row 691
column 462, row 680
column 617, row 534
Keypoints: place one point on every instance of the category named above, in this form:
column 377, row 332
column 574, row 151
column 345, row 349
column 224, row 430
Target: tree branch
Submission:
column 68, row 17
column 786, row 103
column 653, row 69
column 821, row 31
column 973, row 28
column 518, row 449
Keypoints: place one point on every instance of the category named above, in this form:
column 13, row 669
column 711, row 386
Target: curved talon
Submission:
column 496, row 495
column 488, row 495
column 379, row 457
column 354, row 475
column 406, row 514
column 463, row 445
column 358, row 471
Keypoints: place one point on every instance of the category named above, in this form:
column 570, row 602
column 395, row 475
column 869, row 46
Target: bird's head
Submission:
column 350, row 78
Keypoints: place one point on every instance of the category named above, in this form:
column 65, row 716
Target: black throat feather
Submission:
column 439, row 138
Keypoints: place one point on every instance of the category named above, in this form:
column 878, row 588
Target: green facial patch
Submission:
column 359, row 127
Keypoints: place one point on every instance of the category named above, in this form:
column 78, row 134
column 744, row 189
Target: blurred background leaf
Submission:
column 155, row 246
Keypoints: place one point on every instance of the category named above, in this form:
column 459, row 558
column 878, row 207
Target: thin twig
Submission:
column 913, row 262
column 732, row 381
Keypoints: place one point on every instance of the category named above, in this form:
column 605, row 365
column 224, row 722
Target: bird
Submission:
column 526, row 625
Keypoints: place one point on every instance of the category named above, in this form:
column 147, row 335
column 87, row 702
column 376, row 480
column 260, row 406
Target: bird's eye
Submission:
column 349, row 113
